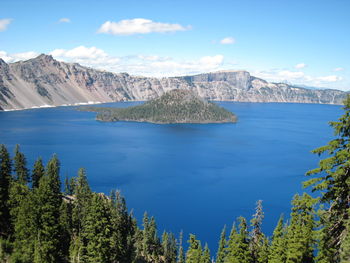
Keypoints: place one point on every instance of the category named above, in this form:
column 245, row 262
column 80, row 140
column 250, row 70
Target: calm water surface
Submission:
column 193, row 177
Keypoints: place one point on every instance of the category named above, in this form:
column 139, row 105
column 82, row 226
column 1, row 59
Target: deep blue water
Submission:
column 195, row 177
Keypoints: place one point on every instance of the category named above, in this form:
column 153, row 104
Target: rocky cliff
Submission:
column 44, row 81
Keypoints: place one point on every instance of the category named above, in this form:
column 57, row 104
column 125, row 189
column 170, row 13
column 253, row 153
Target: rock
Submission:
column 46, row 81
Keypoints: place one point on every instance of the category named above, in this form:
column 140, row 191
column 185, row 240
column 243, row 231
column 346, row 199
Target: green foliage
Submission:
column 20, row 167
column 176, row 106
column 194, row 252
column 333, row 179
column 38, row 172
column 206, row 255
column 181, row 256
column 221, row 254
column 238, row 244
column 300, row 233
column 97, row 231
column 345, row 245
column 25, row 228
column 169, row 248
column 278, row 246
column 5, row 180
column 49, row 201
column 257, row 241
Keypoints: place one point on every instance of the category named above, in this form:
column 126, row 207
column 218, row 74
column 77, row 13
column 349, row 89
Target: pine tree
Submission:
column 326, row 251
column 206, row 255
column 169, row 248
column 278, row 245
column 80, row 188
column 20, row 167
column 300, row 234
column 18, row 186
column 257, row 236
column 25, row 229
column 238, row 248
column 97, row 231
column 5, row 180
column 65, row 222
column 37, row 173
column 333, row 180
column 221, row 254
column 345, row 245
column 181, row 256
column 123, row 229
column 263, row 255
column 47, row 247
column 194, row 252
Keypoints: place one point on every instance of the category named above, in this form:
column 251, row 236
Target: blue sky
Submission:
column 301, row 42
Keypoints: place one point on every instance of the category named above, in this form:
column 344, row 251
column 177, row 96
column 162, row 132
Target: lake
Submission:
column 194, row 177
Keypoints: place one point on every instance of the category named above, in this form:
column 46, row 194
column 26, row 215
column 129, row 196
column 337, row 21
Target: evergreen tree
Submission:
column 326, row 251
column 38, row 172
column 181, row 256
column 169, row 248
column 257, row 236
column 206, row 255
column 20, row 167
column 194, row 252
column 65, row 222
column 263, row 255
column 123, row 229
column 333, row 180
column 300, row 234
column 221, row 254
column 25, row 229
column 97, row 231
column 345, row 245
column 81, row 191
column 5, row 179
column 47, row 247
column 278, row 245
column 238, row 248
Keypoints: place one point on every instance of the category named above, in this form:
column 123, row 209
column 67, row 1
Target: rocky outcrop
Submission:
column 44, row 81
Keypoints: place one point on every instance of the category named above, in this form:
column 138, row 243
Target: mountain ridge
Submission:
column 44, row 81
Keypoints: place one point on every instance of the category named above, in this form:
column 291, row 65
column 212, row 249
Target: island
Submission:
column 174, row 106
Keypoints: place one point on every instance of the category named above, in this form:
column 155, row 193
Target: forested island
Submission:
column 175, row 106
column 40, row 223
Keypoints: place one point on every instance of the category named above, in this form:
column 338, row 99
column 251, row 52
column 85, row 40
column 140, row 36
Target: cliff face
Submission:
column 43, row 81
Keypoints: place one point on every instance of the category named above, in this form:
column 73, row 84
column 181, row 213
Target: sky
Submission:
column 298, row 42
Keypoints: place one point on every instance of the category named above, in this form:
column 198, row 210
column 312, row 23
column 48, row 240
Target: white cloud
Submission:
column 80, row 52
column 227, row 40
column 64, row 20
column 298, row 78
column 286, row 74
column 300, row 65
column 9, row 58
column 138, row 26
column 4, row 23
column 147, row 65
column 332, row 78
column 338, row 69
